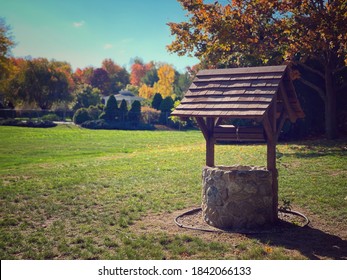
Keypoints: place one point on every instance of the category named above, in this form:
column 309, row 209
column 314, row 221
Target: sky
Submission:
column 84, row 32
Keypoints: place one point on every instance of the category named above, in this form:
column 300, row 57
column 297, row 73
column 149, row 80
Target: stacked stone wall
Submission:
column 237, row 197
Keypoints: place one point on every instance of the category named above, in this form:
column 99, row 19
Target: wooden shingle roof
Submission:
column 240, row 93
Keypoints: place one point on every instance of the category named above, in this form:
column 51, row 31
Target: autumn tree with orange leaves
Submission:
column 270, row 32
column 138, row 71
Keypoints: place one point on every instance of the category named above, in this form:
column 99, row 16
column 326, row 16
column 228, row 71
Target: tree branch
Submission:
column 314, row 87
column 342, row 88
column 339, row 69
column 308, row 68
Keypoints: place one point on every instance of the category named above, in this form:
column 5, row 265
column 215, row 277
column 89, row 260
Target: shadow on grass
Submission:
column 319, row 148
column 317, row 154
column 312, row 243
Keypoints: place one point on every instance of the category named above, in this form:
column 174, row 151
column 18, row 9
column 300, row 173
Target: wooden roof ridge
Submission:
column 243, row 70
column 240, row 93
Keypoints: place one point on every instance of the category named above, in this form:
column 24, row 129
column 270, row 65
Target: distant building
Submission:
column 128, row 96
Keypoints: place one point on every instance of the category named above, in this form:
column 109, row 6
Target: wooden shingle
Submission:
column 240, row 93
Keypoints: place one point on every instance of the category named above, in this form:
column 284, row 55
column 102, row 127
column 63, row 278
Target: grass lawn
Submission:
column 72, row 193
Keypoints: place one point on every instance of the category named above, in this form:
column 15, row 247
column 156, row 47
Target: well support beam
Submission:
column 271, row 133
column 210, row 141
column 207, row 129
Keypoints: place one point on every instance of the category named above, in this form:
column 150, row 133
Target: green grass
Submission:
column 72, row 193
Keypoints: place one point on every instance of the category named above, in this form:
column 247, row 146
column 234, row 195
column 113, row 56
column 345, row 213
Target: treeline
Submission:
column 40, row 83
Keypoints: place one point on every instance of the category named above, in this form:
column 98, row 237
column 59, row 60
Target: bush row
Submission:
column 39, row 123
column 58, row 115
column 128, row 125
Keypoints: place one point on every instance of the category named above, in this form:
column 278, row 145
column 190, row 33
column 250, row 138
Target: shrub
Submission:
column 51, row 117
column 157, row 99
column 86, row 96
column 10, row 122
column 110, row 110
column 150, row 115
column 94, row 112
column 165, row 107
column 135, row 112
column 96, row 124
column 38, row 124
column 81, row 116
column 102, row 124
column 167, row 104
column 123, row 111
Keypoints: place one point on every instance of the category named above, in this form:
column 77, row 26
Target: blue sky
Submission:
column 84, row 33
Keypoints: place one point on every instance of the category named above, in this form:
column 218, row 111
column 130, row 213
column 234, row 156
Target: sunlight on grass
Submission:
column 71, row 193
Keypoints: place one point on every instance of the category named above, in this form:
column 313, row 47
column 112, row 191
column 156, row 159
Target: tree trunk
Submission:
column 330, row 105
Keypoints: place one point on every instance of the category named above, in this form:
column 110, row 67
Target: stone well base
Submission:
column 237, row 197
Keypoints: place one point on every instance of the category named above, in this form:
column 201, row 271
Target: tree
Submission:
column 138, row 71
column 39, row 82
column 181, row 84
column 166, row 75
column 146, row 91
column 100, row 80
column 123, row 110
column 135, row 112
column 151, row 76
column 259, row 32
column 321, row 35
column 6, row 44
column 83, row 76
column 165, row 107
column 81, row 116
column 167, row 104
column 157, row 99
column 111, row 109
column 86, row 96
column 119, row 76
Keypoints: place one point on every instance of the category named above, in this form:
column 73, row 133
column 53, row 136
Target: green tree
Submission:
column 151, row 76
column 165, row 107
column 86, row 96
column 181, row 84
column 167, row 104
column 157, row 99
column 110, row 110
column 81, row 116
column 123, row 111
column 94, row 112
column 135, row 112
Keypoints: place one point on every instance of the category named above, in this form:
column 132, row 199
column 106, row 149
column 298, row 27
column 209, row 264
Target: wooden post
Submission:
column 210, row 142
column 207, row 129
column 270, row 129
column 271, row 166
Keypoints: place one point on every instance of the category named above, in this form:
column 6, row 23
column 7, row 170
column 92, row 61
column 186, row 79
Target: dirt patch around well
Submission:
column 319, row 240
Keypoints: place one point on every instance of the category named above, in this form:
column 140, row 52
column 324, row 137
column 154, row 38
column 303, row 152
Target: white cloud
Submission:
column 108, row 46
column 79, row 24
